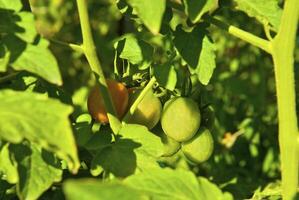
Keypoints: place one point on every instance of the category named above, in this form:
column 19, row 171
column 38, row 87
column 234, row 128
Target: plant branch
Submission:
column 92, row 58
column 283, row 46
column 239, row 33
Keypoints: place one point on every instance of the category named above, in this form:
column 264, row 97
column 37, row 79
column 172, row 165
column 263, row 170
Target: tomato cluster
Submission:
column 182, row 121
column 183, row 125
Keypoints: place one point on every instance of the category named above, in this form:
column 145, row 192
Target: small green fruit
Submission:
column 180, row 118
column 148, row 111
column 200, row 147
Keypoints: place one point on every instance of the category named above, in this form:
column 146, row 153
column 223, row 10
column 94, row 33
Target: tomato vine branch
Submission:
column 89, row 50
column 239, row 33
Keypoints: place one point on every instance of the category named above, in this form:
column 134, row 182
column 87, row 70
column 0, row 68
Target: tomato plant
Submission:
column 214, row 117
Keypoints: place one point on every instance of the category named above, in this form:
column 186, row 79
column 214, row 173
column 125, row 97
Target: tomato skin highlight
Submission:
column 200, row 147
column 120, row 98
column 180, row 118
column 148, row 111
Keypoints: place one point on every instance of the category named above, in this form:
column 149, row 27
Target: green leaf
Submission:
column 270, row 191
column 150, row 12
column 135, row 51
column 151, row 144
column 28, row 25
column 20, row 24
column 37, row 118
column 167, row 184
column 196, row 8
column 15, row 5
column 197, row 49
column 136, row 149
column 96, row 190
column 166, row 76
column 176, row 185
column 155, row 184
column 36, row 59
column 98, row 140
column 211, row 191
column 37, row 169
column 8, row 165
column 119, row 158
column 265, row 11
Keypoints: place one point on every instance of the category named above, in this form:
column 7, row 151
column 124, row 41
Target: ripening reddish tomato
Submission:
column 120, row 97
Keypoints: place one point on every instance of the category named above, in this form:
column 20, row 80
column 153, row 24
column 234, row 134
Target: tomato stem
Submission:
column 132, row 109
column 239, row 33
column 283, row 46
column 89, row 50
column 74, row 47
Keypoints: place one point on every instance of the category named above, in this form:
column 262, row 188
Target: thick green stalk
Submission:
column 92, row 58
column 283, row 51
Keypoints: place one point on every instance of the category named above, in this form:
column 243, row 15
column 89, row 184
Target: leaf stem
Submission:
column 139, row 99
column 92, row 58
column 8, row 77
column 239, row 33
column 74, row 47
column 283, row 46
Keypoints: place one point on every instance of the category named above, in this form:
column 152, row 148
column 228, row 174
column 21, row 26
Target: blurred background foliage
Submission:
column 241, row 91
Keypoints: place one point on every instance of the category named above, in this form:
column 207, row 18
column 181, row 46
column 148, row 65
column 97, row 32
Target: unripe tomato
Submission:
column 180, row 118
column 148, row 111
column 200, row 147
column 95, row 103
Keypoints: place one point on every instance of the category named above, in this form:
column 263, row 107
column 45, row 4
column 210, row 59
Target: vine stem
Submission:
column 283, row 46
column 89, row 50
column 239, row 33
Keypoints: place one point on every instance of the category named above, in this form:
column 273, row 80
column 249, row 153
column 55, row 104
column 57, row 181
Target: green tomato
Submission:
column 200, row 147
column 148, row 111
column 180, row 118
